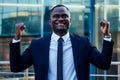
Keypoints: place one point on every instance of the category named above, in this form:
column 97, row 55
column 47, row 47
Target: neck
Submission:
column 61, row 33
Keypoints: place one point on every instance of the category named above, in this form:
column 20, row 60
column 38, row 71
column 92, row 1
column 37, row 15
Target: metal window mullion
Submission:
column 42, row 17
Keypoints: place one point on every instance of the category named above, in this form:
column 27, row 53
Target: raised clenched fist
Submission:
column 19, row 30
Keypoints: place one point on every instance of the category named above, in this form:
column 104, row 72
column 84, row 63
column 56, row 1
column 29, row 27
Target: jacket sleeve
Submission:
column 101, row 59
column 19, row 62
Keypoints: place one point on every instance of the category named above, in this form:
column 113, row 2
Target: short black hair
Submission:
column 59, row 5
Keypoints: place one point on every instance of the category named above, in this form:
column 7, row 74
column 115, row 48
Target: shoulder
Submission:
column 42, row 39
column 78, row 37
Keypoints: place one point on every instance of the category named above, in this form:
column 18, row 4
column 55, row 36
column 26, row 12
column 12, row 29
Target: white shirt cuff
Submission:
column 15, row 41
column 107, row 39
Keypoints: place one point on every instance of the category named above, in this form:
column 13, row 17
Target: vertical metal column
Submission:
column 92, row 21
column 92, row 33
column 105, row 17
column 42, row 18
column 1, row 18
column 105, row 72
column 26, row 74
column 105, row 10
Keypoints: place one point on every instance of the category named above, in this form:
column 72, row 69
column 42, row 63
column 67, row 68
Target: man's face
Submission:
column 60, row 20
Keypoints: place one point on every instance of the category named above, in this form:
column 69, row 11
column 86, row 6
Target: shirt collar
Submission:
column 56, row 37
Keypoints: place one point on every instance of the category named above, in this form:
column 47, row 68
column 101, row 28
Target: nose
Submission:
column 60, row 18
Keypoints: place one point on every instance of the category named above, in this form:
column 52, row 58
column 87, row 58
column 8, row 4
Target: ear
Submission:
column 70, row 21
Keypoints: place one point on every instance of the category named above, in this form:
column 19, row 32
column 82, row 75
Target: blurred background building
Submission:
column 85, row 17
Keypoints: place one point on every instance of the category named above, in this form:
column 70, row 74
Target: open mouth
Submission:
column 60, row 24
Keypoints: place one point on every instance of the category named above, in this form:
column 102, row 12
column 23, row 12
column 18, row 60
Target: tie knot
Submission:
column 60, row 40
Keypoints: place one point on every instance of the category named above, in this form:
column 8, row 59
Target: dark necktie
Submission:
column 60, row 59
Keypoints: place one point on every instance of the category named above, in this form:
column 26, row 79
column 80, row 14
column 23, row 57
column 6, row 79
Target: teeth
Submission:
column 60, row 24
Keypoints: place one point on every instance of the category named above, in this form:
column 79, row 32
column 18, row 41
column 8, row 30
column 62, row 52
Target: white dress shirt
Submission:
column 69, row 72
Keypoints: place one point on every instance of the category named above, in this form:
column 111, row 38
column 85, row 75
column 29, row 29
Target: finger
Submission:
column 22, row 27
column 108, row 24
column 102, row 23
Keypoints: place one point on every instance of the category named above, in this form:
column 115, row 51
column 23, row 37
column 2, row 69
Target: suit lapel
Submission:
column 75, row 48
column 46, row 53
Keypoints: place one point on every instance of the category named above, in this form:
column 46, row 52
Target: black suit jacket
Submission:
column 38, row 55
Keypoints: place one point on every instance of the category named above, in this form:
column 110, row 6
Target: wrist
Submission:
column 17, row 38
column 108, row 35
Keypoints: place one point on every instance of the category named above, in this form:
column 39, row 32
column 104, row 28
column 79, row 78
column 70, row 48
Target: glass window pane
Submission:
column 51, row 2
column 28, row 15
column 29, row 1
column 10, row 1
column 113, row 2
column 77, row 19
column 8, row 20
column 100, row 2
column 35, row 1
column 24, row 1
column 1, row 14
column 73, row 2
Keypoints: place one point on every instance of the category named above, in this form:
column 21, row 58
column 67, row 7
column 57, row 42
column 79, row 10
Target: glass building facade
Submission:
column 85, row 17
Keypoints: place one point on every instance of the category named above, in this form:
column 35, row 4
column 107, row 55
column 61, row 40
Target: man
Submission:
column 78, row 53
